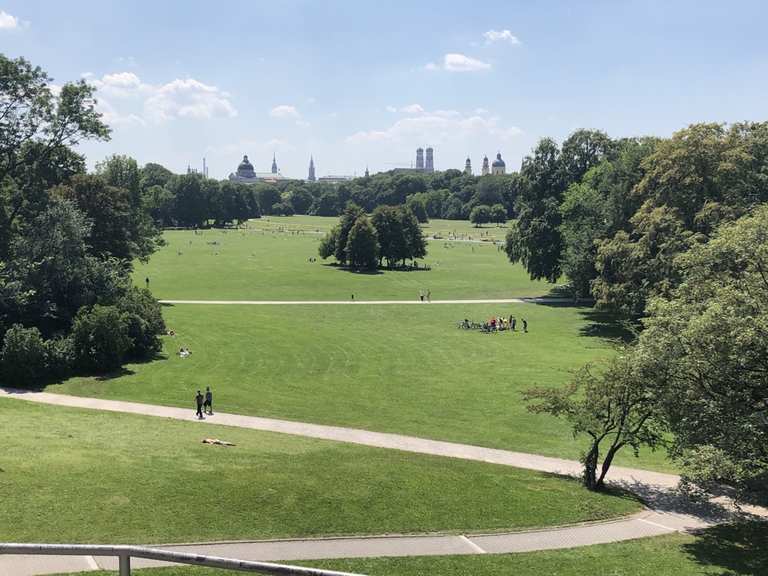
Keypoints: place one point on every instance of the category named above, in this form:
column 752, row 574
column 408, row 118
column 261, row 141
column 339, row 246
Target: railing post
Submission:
column 125, row 565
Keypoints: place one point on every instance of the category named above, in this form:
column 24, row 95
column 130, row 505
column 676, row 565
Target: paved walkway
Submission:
column 666, row 511
column 315, row 302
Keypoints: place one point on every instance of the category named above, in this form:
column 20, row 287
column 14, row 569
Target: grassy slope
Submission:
column 722, row 551
column 273, row 265
column 404, row 369
column 86, row 476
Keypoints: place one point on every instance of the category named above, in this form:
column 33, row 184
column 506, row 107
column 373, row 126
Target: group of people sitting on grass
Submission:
column 184, row 352
column 495, row 324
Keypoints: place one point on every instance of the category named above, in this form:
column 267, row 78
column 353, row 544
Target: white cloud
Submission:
column 7, row 21
column 454, row 62
column 412, row 109
column 284, row 111
column 140, row 102
column 500, row 36
column 438, row 126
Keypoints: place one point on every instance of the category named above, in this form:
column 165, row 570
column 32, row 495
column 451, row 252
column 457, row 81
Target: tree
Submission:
column 189, row 202
column 348, row 218
column 415, row 244
column 498, row 214
column 614, row 409
column 705, row 352
column 108, row 209
column 328, row 243
column 480, row 215
column 36, row 130
column 362, row 247
column 418, row 205
column 100, row 338
column 23, row 360
column 535, row 240
column 388, row 221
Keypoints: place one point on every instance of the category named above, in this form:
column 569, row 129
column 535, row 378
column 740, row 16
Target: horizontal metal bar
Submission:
column 166, row 556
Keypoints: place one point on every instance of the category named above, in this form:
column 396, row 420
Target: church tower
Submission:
column 429, row 166
column 468, row 167
column 419, row 158
column 486, row 168
column 274, row 164
column 367, row 174
column 311, row 176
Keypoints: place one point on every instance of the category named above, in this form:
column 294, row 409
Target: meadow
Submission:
column 270, row 260
column 391, row 368
column 74, row 475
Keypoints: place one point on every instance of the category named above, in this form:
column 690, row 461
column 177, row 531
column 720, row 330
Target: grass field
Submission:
column 270, row 261
column 88, row 476
column 721, row 551
column 390, row 368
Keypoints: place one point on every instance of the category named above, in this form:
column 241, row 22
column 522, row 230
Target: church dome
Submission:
column 498, row 162
column 245, row 164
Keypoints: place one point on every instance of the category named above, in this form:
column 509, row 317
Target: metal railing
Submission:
column 125, row 553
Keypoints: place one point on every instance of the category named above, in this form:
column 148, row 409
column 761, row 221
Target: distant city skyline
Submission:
column 179, row 81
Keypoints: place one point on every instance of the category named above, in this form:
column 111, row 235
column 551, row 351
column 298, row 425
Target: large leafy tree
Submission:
column 362, row 246
column 705, row 350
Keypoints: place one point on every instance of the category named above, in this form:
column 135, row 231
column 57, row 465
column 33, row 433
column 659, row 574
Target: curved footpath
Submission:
column 314, row 302
column 666, row 513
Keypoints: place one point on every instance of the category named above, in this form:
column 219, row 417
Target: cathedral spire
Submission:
column 311, row 176
column 274, row 164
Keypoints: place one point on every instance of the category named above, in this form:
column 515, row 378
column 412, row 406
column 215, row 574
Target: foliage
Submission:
column 144, row 321
column 705, row 349
column 498, row 214
column 24, row 358
column 362, row 246
column 615, row 408
column 481, row 214
column 100, row 338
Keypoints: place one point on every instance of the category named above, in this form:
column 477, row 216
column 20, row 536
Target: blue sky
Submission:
column 361, row 83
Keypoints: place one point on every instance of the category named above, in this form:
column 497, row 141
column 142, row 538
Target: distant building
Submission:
column 246, row 173
column 429, row 165
column 330, row 179
column 486, row 168
column 311, row 175
column 499, row 167
column 366, row 171
column 468, row 167
column 419, row 158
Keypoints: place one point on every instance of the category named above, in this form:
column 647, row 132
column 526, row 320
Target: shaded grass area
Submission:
column 390, row 368
column 740, row 550
column 273, row 264
column 71, row 475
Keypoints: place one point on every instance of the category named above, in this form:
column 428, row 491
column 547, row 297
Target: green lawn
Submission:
column 271, row 262
column 72, row 475
column 721, row 551
column 392, row 368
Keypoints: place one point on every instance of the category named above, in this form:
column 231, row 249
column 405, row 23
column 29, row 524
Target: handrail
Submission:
column 124, row 553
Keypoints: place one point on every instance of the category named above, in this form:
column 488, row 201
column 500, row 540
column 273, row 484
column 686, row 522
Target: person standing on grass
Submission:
column 208, row 404
column 147, row 281
column 429, row 295
column 199, row 401
column 525, row 325
column 512, row 323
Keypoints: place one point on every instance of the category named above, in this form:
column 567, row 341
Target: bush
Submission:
column 100, row 338
column 24, row 356
column 144, row 322
column 60, row 357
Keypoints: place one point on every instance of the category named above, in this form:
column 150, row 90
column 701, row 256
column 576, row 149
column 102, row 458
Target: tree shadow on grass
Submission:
column 738, row 549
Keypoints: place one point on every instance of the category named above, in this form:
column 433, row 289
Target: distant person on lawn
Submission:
column 525, row 325
column 199, row 400
column 208, row 404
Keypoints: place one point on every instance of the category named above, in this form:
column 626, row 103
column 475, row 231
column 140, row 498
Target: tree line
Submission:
column 392, row 233
column 67, row 238
column 673, row 234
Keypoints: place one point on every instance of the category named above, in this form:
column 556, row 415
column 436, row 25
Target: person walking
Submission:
column 208, row 404
column 199, row 401
column 512, row 322
column 429, row 295
column 525, row 325
column 147, row 281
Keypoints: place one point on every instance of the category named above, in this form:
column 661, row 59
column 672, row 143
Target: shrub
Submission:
column 24, row 357
column 100, row 338
column 144, row 322
column 60, row 357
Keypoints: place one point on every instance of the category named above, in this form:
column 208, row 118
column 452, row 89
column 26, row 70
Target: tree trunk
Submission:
column 607, row 464
column 590, row 467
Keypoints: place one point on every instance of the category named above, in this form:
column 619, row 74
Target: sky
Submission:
column 359, row 83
